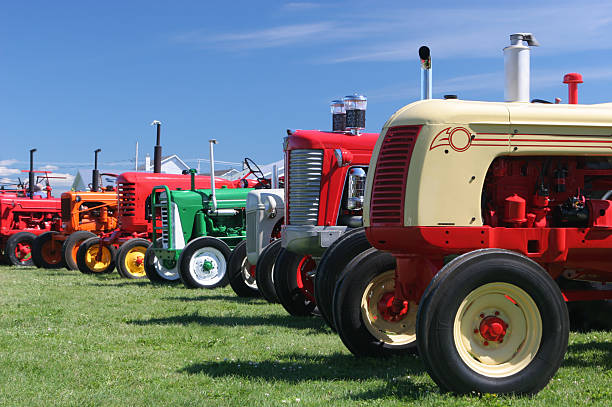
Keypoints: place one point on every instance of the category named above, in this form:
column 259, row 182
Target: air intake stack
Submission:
column 355, row 106
column 425, row 56
column 157, row 151
column 95, row 176
column 516, row 66
column 338, row 115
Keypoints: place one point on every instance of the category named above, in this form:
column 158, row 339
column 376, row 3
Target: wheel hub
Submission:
column 139, row 260
column 207, row 265
column 493, row 329
column 387, row 309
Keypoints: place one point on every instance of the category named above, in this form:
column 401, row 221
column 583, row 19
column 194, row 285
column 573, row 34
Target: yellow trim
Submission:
column 132, row 258
column 94, row 265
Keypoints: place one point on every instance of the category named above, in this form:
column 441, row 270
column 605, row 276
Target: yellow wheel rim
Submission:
column 510, row 353
column 400, row 332
column 134, row 261
column 91, row 258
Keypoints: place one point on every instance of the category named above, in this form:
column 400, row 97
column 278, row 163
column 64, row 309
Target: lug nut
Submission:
column 481, row 315
column 496, row 312
column 486, row 343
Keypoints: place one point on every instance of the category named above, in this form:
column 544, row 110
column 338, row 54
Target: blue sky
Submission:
column 81, row 75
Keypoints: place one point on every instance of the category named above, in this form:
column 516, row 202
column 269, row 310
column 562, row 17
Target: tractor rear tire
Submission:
column 203, row 263
column 360, row 300
column 498, row 324
column 71, row 247
column 46, row 252
column 241, row 273
column 334, row 260
column 19, row 249
column 291, row 282
column 156, row 272
column 130, row 258
column 87, row 257
column 264, row 270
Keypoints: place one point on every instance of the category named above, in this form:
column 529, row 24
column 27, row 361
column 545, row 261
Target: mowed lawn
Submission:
column 73, row 339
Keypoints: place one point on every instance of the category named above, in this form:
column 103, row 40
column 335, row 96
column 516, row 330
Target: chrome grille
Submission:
column 126, row 196
column 305, row 167
column 163, row 201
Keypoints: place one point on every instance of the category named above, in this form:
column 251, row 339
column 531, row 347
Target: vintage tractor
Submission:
column 85, row 214
column 25, row 214
column 474, row 209
column 325, row 177
column 194, row 232
column 265, row 212
column 125, row 246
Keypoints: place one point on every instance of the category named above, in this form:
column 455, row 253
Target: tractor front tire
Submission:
column 293, row 282
column 71, row 247
column 19, row 249
column 130, row 258
column 334, row 260
column 264, row 270
column 47, row 252
column 497, row 322
column 157, row 272
column 203, row 263
column 362, row 308
column 241, row 273
column 96, row 258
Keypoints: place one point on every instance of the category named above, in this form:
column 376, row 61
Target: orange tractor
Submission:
column 85, row 214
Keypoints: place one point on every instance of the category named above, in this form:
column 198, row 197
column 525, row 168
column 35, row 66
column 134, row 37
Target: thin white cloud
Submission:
column 7, row 162
column 300, row 6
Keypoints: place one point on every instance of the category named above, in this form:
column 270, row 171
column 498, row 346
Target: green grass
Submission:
column 73, row 339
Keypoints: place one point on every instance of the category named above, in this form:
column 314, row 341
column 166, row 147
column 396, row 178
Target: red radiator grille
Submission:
column 126, row 194
column 388, row 189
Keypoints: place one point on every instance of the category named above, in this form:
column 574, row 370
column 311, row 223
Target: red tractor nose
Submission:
column 493, row 329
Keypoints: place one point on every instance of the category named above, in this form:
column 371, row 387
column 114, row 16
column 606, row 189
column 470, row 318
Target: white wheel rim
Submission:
column 523, row 334
column 165, row 273
column 245, row 270
column 397, row 333
column 204, row 258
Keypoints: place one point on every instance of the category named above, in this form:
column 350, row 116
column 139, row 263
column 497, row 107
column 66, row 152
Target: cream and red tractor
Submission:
column 482, row 205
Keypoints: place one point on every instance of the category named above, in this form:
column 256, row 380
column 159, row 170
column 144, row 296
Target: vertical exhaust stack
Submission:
column 338, row 115
column 426, row 86
column 157, row 151
column 31, row 175
column 212, row 175
column 275, row 182
column 95, row 176
column 355, row 106
column 516, row 66
column 572, row 80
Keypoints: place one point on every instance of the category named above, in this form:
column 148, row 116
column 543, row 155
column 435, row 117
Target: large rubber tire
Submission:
column 291, row 283
column 471, row 294
column 155, row 270
column 71, row 247
column 264, row 270
column 46, row 252
column 241, row 273
column 87, row 257
column 130, row 258
column 360, row 318
column 203, row 263
column 19, row 249
column 334, row 260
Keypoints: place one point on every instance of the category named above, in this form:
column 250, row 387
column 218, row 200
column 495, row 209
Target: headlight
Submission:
column 356, row 188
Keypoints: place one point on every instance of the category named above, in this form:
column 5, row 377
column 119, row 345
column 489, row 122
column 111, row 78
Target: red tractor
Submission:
column 325, row 177
column 478, row 214
column 25, row 214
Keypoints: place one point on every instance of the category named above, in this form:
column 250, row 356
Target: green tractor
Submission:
column 194, row 232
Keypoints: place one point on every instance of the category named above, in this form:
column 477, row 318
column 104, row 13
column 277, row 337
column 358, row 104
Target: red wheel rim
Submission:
column 304, row 277
column 23, row 252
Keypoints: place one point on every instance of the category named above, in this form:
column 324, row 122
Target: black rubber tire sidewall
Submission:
column 76, row 237
column 333, row 262
column 84, row 247
column 190, row 249
column 347, row 307
column 151, row 271
column 289, row 294
column 234, row 272
column 11, row 245
column 265, row 268
column 450, row 371
column 37, row 257
column 122, row 252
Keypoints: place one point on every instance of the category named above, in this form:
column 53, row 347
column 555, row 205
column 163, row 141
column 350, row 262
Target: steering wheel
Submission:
column 256, row 171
